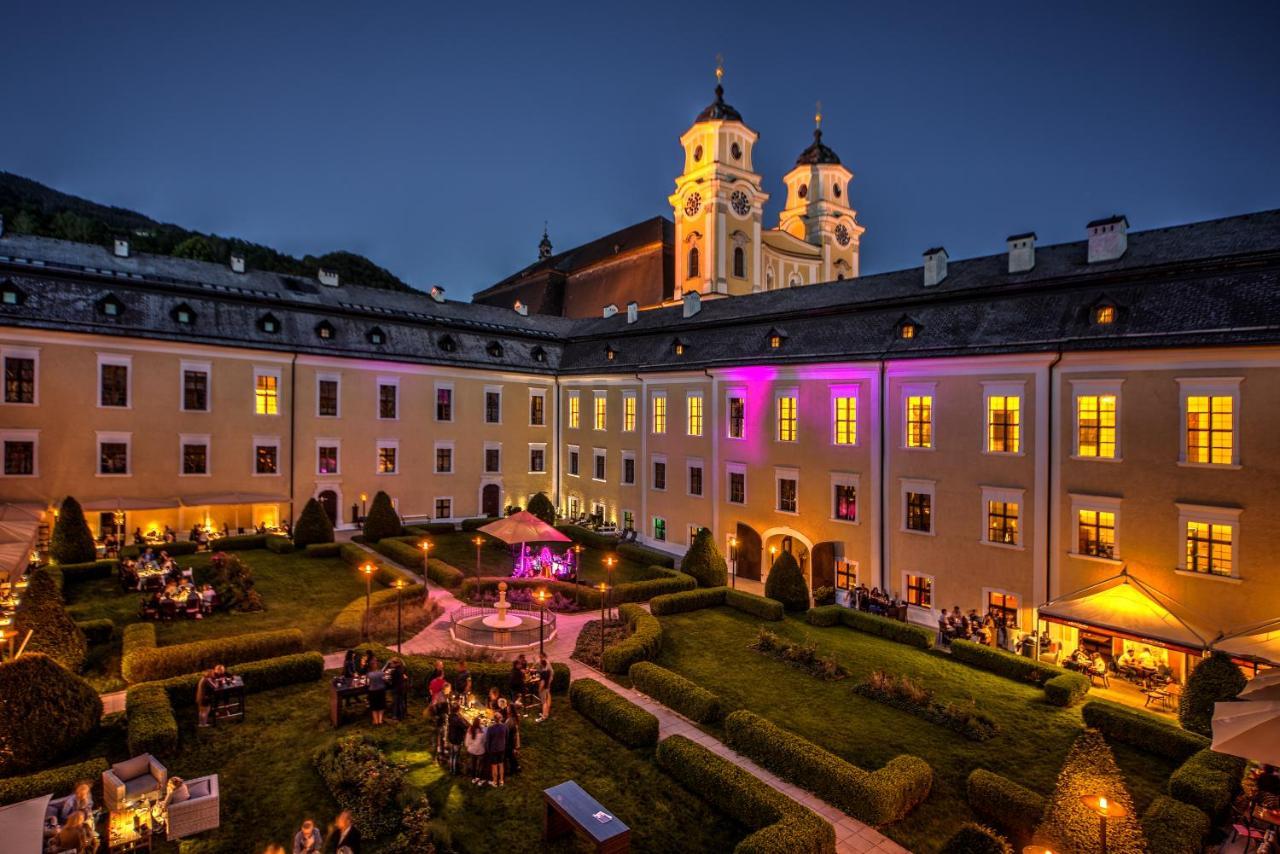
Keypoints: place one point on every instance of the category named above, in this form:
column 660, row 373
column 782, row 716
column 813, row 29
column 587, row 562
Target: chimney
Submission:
column 521, row 309
column 692, row 303
column 437, row 293
column 327, row 277
column 237, row 262
column 1107, row 238
column 1022, row 252
column 122, row 247
column 935, row 266
column 610, row 310
column 633, row 312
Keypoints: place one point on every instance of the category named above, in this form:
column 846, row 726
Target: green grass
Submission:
column 298, row 592
column 710, row 647
column 495, row 559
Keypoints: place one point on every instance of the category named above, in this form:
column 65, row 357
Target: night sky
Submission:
column 436, row 137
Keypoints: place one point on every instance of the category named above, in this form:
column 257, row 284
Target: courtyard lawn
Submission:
column 298, row 591
column 496, row 559
column 269, row 784
column 711, row 648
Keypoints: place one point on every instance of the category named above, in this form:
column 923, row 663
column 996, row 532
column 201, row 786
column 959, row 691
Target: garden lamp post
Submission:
column 577, row 570
column 1105, row 810
column 364, row 505
column 604, row 592
column 541, row 596
column 733, row 562
column 478, row 542
column 609, row 562
column 399, row 609
column 425, row 545
column 367, row 569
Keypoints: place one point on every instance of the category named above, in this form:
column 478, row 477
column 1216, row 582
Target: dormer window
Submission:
column 184, row 315
column 447, row 344
column 494, row 349
column 376, row 336
column 325, row 330
column 109, row 306
column 678, row 347
column 610, row 353
column 1104, row 315
column 539, row 355
column 268, row 324
column 776, row 337
column 908, row 329
column 11, row 294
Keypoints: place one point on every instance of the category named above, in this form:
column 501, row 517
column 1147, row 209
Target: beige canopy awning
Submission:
column 21, row 512
column 1258, row 642
column 17, row 539
column 105, row 504
column 220, row 498
column 1124, row 605
column 22, row 824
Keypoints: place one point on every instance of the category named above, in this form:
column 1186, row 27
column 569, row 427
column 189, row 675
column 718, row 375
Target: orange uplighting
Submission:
column 399, row 583
column 364, row 496
column 479, row 541
column 610, row 561
column 367, row 569
column 541, row 596
column 425, row 545
column 1103, row 807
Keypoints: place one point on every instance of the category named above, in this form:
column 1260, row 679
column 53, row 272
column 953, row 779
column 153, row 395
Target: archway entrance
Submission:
column 329, row 503
column 823, row 566
column 490, row 500
column 748, row 552
column 778, row 540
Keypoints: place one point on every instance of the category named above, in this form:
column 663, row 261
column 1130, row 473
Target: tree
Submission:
column 53, row 632
column 196, row 248
column 704, row 562
column 540, row 505
column 72, row 541
column 383, row 521
column 313, row 526
column 1069, row 824
column 786, row 583
column 1216, row 679
column 47, row 712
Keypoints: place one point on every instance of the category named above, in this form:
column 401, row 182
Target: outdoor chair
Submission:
column 199, row 812
column 1106, row 680
column 129, row 781
column 1242, row 825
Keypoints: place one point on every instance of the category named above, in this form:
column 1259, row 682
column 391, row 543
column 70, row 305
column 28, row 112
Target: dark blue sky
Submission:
column 437, row 137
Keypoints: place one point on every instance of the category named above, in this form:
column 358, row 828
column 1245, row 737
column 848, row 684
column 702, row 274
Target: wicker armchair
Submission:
column 199, row 812
column 129, row 781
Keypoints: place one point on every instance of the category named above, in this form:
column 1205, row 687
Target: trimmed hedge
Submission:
column 781, row 825
column 1209, row 781
column 676, row 692
column 347, row 627
column 175, row 549
column 594, row 539
column 1142, row 730
column 540, row 505
column 646, row 555
column 643, row 644
column 664, row 581
column 403, row 551
column 614, row 713
column 704, row 562
column 59, row 781
column 1216, row 679
column 471, row 588
column 876, row 797
column 786, row 583
column 823, row 615
column 97, row 631
column 973, row 838
column 711, row 597
column 322, row 550
column 1172, row 827
column 382, row 520
column 475, row 523
column 355, row 557
column 1003, row 663
column 1066, row 689
column 883, row 627
column 152, row 727
column 143, row 661
column 265, row 675
column 424, row 529
column 46, row 712
column 1012, row 808
column 91, row 571
column 239, row 543
column 484, row 674
column 756, row 606
column 279, row 544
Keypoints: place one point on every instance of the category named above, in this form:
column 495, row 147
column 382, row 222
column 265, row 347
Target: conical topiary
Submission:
column 313, row 526
column 47, row 712
column 540, row 505
column 72, row 541
column 786, row 583
column 704, row 562
column 383, row 521
column 1069, row 824
column 53, row 632
column 1216, row 679
column 974, row 838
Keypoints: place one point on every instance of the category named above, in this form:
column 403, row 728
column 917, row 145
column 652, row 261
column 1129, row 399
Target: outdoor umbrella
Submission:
column 1263, row 687
column 1249, row 730
column 22, row 824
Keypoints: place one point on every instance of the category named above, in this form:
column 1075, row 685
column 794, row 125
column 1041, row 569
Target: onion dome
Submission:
column 719, row 110
column 817, row 152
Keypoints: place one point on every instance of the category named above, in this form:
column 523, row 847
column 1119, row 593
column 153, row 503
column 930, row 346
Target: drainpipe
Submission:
column 883, row 532
column 1052, row 493
column 714, row 469
column 293, row 429
column 555, row 435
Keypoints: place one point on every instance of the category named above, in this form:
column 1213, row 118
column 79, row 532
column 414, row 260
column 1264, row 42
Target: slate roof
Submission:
column 718, row 110
column 817, row 152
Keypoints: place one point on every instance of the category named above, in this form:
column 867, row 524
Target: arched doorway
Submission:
column 823, row 565
column 777, row 540
column 748, row 552
column 490, row 500
column 329, row 502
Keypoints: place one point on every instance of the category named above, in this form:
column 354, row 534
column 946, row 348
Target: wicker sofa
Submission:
column 198, row 812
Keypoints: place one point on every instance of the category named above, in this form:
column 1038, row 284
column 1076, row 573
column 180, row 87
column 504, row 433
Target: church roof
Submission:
column 817, row 152
column 719, row 111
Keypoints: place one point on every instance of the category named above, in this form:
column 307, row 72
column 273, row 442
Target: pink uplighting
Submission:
column 544, row 564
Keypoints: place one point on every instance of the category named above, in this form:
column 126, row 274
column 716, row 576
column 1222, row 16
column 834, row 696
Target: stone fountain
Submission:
column 503, row 630
column 502, row 620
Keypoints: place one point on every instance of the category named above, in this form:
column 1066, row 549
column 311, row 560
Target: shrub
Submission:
column 1172, row 827
column 1142, row 730
column 704, row 562
column 265, row 675
column 786, row 584
column 780, row 825
column 587, row 537
column 72, row 541
column 383, row 521
column 59, row 781
column 893, row 630
column 1002, row 663
column 55, row 633
column 802, row 655
column 47, row 711
column 1013, row 808
column 152, row 727
column 907, row 694
column 475, row 590
column 823, row 615
column 241, row 543
column 540, row 505
column 646, row 555
column 320, row 549
column 689, row 600
column 97, row 631
column 142, row 664
column 874, row 797
column 664, row 581
column 1208, row 780
column 674, row 691
column 824, row 596
column 233, row 579
column 643, row 644
column 313, row 526
column 1066, row 689
column 402, row 550
column 975, row 839
column 426, row 529
column 73, row 573
column 362, row 780
column 484, row 675
column 279, row 544
column 176, row 549
column 355, row 557
column 477, row 522
column 1068, row 823
column 348, row 626
column 614, row 713
column 756, row 606
column 1216, row 679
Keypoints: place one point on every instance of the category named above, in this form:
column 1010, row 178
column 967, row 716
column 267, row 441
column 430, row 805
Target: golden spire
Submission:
column 817, row 117
column 719, row 68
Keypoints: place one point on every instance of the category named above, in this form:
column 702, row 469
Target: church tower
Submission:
column 717, row 204
column 818, row 210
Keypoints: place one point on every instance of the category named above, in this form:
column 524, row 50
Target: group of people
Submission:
column 200, row 534
column 70, row 823
column 391, row 680
column 343, row 838
column 992, row 629
column 876, row 601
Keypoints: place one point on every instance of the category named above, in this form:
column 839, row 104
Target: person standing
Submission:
column 495, row 744
column 398, row 676
column 455, row 735
column 346, row 834
column 513, row 740
column 545, row 675
column 205, row 690
column 475, row 743
column 377, row 692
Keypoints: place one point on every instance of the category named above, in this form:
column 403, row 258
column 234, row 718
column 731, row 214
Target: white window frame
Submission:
column 327, row 442
column 32, row 436
column 781, row 473
column 379, row 445
column 653, row 411
column 911, row 484
column 336, row 379
column 569, row 400
column 32, row 353
column 986, row 601
column 440, row 445
column 437, row 500
column 691, row 463
column 654, row 459
column 103, row 436
column 435, row 403
column 205, row 368
column 484, row 460
column 185, row 439
column 653, row 527
column 394, row 382
column 778, row 395
column 598, row 454
column 598, row 395
column 731, row 468
column 537, row 446
column 1215, row 515
column 1086, row 388
column 1214, row 387
column 622, row 472
column 629, row 398
column 1008, row 495
column 730, row 393
column 933, row 591
column 488, row 390
column 1101, row 503
column 1005, row 388
column 691, row 530
column 909, row 390
column 841, row 478
column 116, row 359
column 853, row 390
column 702, row 413
column 569, row 451
column 542, row 393
column 264, row 441
column 253, row 392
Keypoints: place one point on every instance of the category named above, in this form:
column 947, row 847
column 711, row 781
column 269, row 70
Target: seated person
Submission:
column 138, row 539
column 80, row 800
column 176, row 792
column 494, row 698
column 207, row 598
column 307, row 840
column 1146, row 660
column 1098, row 665
column 75, row 834
column 1127, row 659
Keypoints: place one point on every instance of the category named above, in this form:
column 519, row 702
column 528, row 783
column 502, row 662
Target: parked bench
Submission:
column 570, row 809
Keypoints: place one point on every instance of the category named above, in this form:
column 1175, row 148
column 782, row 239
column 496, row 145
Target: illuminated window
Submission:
column 1096, row 426
column 387, row 459
column 694, row 404
column 845, row 503
column 919, row 512
column 266, row 455
column 326, row 459
column 659, row 529
column 737, row 416
column 920, row 421
column 1003, row 607
column 444, row 403
column 775, row 341
column 659, row 413
column 846, row 575
column 629, row 412
column 609, row 353
column 1209, row 547
column 1096, row 532
column 787, row 417
column 907, row 331
column 600, row 413
column 920, row 591
column 678, row 347
column 1002, row 522
column 1004, row 424
column 1210, row 429
column 267, row 394
column 575, row 411
column 846, row 416
column 537, row 408
column 1104, row 314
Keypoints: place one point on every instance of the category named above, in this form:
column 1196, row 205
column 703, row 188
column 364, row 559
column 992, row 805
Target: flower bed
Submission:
column 643, row 644
column 802, row 655
column 905, row 694
column 363, row 780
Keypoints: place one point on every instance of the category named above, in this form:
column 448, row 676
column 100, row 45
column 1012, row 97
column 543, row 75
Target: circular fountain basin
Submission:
column 520, row 630
column 503, row 621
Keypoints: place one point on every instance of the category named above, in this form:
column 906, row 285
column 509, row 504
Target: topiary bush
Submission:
column 59, row 781
column 1216, row 679
column 152, row 727
column 1066, row 689
column 613, row 713
column 1172, row 827
column 540, row 505
column 54, row 632
column 676, row 692
column 1208, row 780
column 704, row 562
column 643, row 644
column 973, row 838
column 383, row 521
column 1142, row 730
column 1069, row 824
column 72, row 541
column 786, row 584
column 313, row 526
column 1013, row 808
column 46, row 712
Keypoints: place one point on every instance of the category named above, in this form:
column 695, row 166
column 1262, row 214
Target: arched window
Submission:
column 739, row 262
column 693, row 262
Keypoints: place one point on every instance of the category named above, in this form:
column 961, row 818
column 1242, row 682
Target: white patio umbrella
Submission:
column 1248, row 730
column 1263, row 687
column 22, row 824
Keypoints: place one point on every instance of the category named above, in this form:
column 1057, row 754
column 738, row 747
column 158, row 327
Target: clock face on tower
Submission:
column 842, row 234
column 741, row 204
column 692, row 204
